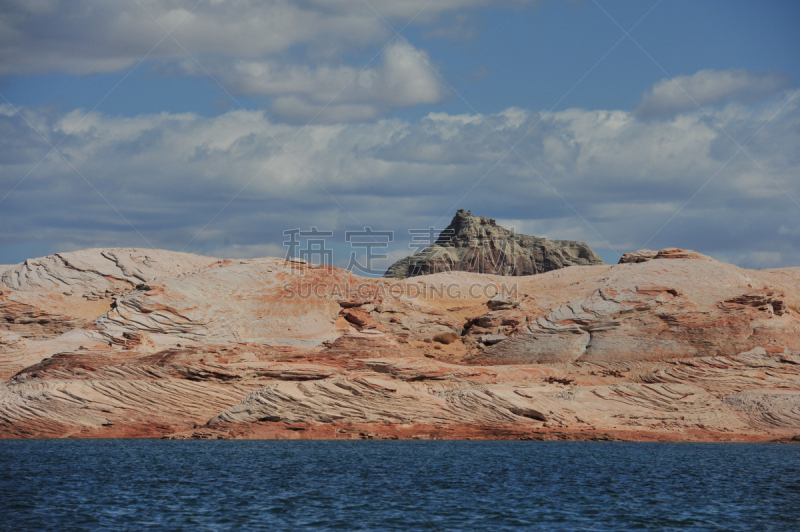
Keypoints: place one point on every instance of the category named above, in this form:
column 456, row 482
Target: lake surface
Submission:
column 416, row 485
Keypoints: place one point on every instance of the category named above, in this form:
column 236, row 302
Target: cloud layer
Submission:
column 404, row 77
column 607, row 177
column 290, row 51
column 668, row 97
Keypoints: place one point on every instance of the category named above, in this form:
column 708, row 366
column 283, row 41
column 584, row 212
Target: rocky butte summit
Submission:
column 476, row 244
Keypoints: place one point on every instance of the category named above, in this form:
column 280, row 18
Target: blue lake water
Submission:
column 396, row 485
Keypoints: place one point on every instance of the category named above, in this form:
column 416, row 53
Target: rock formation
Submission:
column 126, row 342
column 644, row 255
column 476, row 244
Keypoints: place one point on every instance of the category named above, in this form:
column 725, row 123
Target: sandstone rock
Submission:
column 52, row 295
column 663, row 350
column 475, row 244
column 500, row 302
column 257, row 300
column 93, row 271
column 764, row 300
column 692, row 314
column 491, row 339
column 359, row 317
column 677, row 253
column 644, row 255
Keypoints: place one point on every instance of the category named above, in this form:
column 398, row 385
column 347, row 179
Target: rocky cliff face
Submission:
column 475, row 244
column 119, row 343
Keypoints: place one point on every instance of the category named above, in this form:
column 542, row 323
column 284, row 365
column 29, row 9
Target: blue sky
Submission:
column 543, row 115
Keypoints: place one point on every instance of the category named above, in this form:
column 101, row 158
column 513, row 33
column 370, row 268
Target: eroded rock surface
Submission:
column 644, row 255
column 118, row 343
column 476, row 244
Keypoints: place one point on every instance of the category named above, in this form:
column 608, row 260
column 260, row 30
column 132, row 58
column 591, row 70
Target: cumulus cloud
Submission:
column 95, row 36
column 175, row 178
column 709, row 87
column 291, row 51
column 403, row 77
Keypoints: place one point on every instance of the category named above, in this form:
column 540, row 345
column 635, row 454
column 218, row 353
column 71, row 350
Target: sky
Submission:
column 215, row 126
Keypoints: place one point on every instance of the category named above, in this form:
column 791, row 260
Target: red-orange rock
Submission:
column 120, row 343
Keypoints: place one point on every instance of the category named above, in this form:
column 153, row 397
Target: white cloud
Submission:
column 91, row 36
column 172, row 174
column 341, row 93
column 406, row 78
column 291, row 51
column 709, row 87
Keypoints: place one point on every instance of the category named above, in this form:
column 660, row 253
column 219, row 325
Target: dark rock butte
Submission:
column 476, row 244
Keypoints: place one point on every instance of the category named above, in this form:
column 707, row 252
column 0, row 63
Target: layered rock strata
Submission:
column 120, row 343
column 476, row 244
